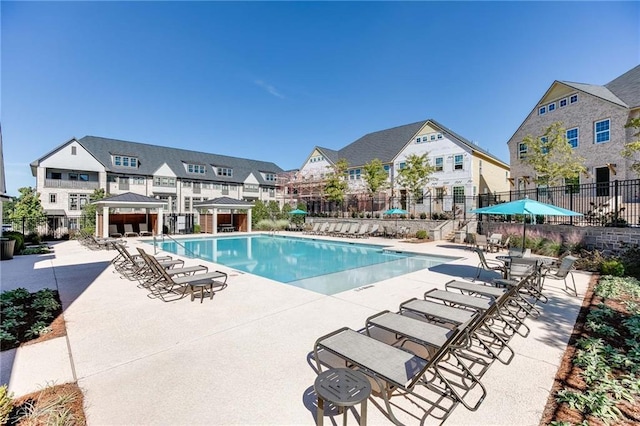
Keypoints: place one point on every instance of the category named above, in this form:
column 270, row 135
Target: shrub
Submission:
column 612, row 267
column 32, row 238
column 6, row 404
column 590, row 260
column 423, row 215
column 630, row 257
column 196, row 229
column 422, row 234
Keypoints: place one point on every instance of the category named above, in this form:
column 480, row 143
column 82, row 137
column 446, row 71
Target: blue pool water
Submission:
column 325, row 267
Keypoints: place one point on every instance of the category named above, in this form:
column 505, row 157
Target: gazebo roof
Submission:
column 224, row 203
column 129, row 199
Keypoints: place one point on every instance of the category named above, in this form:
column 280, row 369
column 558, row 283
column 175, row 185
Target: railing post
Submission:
column 615, row 202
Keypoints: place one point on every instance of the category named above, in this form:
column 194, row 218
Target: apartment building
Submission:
column 463, row 169
column 594, row 117
column 66, row 176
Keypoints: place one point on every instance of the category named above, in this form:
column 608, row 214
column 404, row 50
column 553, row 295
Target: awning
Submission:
column 55, row 212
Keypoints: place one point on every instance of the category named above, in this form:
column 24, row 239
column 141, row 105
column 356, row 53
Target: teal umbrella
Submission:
column 297, row 211
column 526, row 207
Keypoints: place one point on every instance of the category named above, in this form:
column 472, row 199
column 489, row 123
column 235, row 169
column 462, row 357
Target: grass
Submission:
column 60, row 405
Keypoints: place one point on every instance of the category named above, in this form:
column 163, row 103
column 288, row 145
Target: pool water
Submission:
column 325, row 267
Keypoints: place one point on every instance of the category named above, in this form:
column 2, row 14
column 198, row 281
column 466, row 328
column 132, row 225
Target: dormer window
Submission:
column 542, row 110
column 196, row 168
column 224, row 171
column 124, row 161
column 270, row 177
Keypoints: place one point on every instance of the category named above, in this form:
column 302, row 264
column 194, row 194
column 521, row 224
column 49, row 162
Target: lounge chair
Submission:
column 482, row 242
column 489, row 265
column 560, row 272
column 392, row 369
column 128, row 230
column 353, row 230
column 375, row 230
column 113, row 231
column 165, row 283
column 314, row 229
column 331, row 229
column 362, row 231
column 133, row 267
column 144, row 231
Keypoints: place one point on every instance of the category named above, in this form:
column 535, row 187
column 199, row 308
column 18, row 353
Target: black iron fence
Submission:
column 615, row 203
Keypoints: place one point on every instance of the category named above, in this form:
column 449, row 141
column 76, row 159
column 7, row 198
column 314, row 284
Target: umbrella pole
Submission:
column 524, row 234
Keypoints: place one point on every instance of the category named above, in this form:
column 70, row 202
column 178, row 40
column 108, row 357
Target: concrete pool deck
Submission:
column 242, row 358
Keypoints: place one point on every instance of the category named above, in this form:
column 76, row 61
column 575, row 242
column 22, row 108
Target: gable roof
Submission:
column 598, row 91
column 151, row 157
column 385, row 145
column 627, row 87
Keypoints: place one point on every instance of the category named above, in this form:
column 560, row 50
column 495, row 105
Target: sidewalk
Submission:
column 241, row 358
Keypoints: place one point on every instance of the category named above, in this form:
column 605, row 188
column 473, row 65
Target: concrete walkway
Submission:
column 242, row 358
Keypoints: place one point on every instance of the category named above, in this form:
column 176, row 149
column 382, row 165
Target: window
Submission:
column 354, row 174
column 164, row 181
column 270, row 177
column 563, row 103
column 572, row 137
column 439, row 135
column 73, row 201
column 522, row 150
column 73, row 223
column 196, row 168
column 433, row 137
column 418, row 140
column 272, row 192
column 602, row 131
column 542, row 110
column 544, row 148
column 387, row 168
column 439, row 164
column 74, row 150
column 125, row 161
column 458, row 194
column 402, row 165
column 250, row 187
column 225, row 171
column 79, row 176
column 56, row 175
column 73, row 176
column 137, row 180
column 53, row 198
column 186, row 184
column 439, row 193
column 551, row 106
column 187, row 204
column 458, row 162
column 225, row 189
column 573, row 99
column 572, row 185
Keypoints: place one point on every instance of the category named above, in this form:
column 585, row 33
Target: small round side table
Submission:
column 344, row 388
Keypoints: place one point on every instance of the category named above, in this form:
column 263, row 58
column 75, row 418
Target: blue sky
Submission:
column 270, row 80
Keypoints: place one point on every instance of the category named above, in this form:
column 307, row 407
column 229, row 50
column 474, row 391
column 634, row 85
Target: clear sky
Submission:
column 271, row 80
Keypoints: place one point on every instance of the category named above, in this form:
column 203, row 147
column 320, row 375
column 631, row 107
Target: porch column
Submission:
column 159, row 221
column 215, row 220
column 105, row 221
column 248, row 220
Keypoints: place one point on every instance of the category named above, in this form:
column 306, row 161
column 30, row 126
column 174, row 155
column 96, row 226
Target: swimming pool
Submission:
column 326, row 267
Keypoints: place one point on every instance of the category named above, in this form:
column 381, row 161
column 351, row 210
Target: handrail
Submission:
column 189, row 252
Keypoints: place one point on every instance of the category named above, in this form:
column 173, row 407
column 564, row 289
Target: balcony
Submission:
column 71, row 184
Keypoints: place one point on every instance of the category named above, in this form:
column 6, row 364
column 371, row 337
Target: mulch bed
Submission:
column 46, row 407
column 568, row 376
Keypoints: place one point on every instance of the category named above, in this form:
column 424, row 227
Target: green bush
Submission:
column 590, row 260
column 19, row 239
column 423, row 215
column 32, row 238
column 196, row 229
column 6, row 404
column 612, row 267
column 422, row 234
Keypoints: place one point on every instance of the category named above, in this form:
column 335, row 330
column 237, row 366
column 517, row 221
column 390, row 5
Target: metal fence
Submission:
column 615, row 203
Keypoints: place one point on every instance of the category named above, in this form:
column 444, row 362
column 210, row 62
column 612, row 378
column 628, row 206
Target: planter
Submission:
column 6, row 248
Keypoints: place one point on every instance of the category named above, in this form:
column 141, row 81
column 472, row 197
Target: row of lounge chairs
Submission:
column 94, row 243
column 344, row 229
column 143, row 231
column 434, row 350
column 166, row 278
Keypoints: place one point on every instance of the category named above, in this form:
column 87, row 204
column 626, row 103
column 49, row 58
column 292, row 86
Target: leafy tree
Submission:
column 551, row 157
column 415, row 175
column 259, row 212
column 28, row 207
column 89, row 210
column 375, row 176
column 633, row 147
column 336, row 184
column 274, row 210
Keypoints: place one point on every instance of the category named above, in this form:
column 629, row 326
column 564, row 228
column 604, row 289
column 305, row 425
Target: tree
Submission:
column 375, row 177
column 336, row 184
column 27, row 207
column 259, row 212
column 89, row 210
column 551, row 157
column 632, row 148
column 415, row 175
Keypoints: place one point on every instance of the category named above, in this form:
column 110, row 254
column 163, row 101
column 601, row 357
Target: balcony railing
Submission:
column 71, row 184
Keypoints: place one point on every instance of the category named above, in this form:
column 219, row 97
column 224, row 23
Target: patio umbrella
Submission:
column 297, row 211
column 528, row 207
column 395, row 212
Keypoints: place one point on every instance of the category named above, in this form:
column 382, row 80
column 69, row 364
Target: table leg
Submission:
column 363, row 413
column 320, row 413
column 344, row 415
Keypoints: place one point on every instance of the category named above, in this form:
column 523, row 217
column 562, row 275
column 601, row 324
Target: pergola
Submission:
column 131, row 201
column 226, row 203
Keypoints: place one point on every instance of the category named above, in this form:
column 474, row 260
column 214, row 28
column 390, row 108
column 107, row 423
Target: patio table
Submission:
column 344, row 388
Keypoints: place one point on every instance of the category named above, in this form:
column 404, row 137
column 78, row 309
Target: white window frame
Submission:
column 566, row 102
column 597, row 133
column 439, row 168
column 577, row 138
column 573, row 98
column 53, row 198
column 551, row 107
column 456, row 164
column 523, row 150
column 542, row 110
